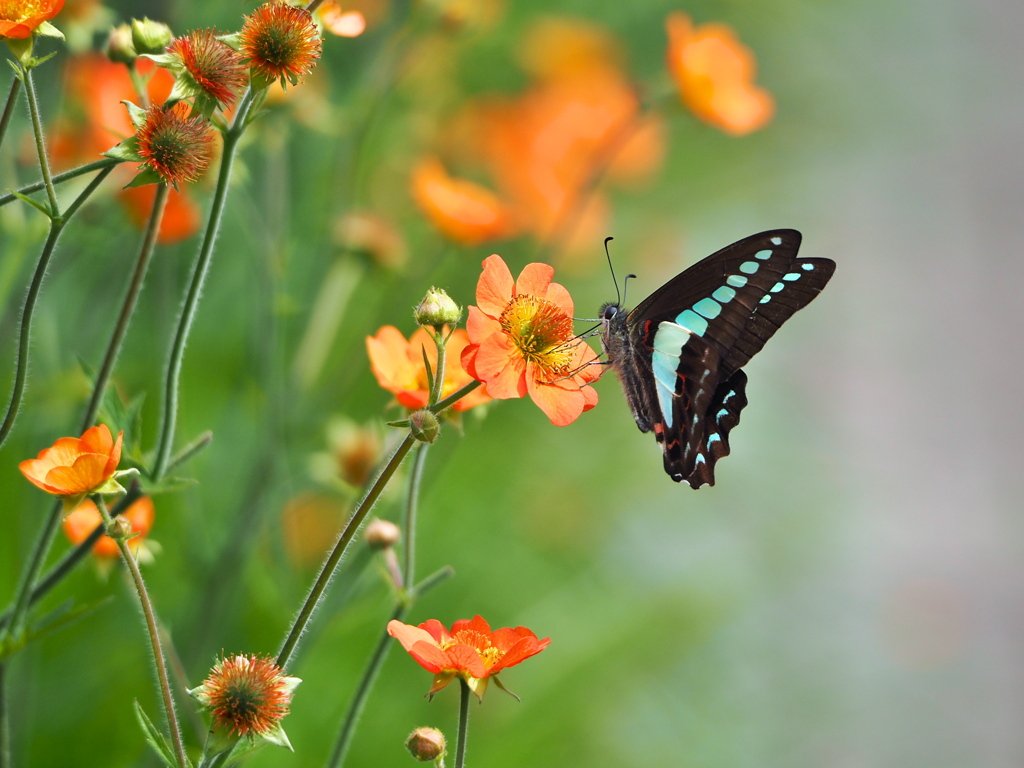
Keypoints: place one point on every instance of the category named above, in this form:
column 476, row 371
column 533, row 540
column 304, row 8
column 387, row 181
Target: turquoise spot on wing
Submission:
column 665, row 401
column 765, row 299
column 736, row 281
column 807, row 267
column 791, row 276
column 725, row 294
column 765, row 254
column 692, row 321
column 777, row 287
column 712, row 438
column 708, row 307
column 749, row 267
column 665, row 368
column 670, row 340
column 722, row 413
column 776, row 241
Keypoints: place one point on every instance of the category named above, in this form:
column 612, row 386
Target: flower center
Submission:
column 488, row 653
column 17, row 10
column 541, row 331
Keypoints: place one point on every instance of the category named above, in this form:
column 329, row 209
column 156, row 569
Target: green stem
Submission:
column 454, row 397
column 128, row 305
column 37, row 130
column 355, row 709
column 380, row 653
column 327, row 571
column 5, row 726
column 12, row 98
column 202, row 266
column 411, row 506
column 460, row 747
column 441, row 343
column 60, row 178
column 57, row 224
column 159, row 660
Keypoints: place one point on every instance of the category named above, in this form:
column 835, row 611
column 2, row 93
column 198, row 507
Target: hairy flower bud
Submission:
column 120, row 48
column 424, row 426
column 437, row 309
column 119, row 528
column 150, row 36
column 426, row 744
column 382, row 534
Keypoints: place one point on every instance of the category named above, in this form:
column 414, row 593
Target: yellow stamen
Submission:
column 17, row 10
column 539, row 329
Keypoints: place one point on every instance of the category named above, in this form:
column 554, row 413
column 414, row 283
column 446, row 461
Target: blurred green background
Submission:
column 849, row 595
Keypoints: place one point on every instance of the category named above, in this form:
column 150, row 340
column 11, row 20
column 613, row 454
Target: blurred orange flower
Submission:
column 398, row 366
column 182, row 216
column 471, row 650
column 18, row 18
column 83, row 521
column 522, row 342
column 578, row 125
column 340, row 22
column 464, row 211
column 73, row 465
column 715, row 75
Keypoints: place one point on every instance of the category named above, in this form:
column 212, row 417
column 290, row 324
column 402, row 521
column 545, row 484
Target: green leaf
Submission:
column 46, row 29
column 156, row 739
column 37, row 205
column 166, row 485
column 145, row 176
column 62, row 616
column 136, row 113
column 22, row 50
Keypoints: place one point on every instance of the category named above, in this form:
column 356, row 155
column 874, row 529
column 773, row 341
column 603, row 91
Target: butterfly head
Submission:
column 609, row 311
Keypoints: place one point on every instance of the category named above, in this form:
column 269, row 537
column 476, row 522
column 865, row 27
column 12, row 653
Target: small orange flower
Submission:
column 215, row 69
column 18, row 18
column 522, row 342
column 176, row 145
column 281, row 43
column 398, row 366
column 715, row 75
column 464, row 211
column 248, row 695
column 73, row 465
column 83, row 521
column 471, row 650
column 339, row 21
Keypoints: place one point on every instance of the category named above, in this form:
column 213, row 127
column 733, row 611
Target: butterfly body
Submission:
column 679, row 354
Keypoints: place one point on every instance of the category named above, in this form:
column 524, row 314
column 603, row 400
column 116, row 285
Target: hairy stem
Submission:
column 60, row 178
column 153, row 630
column 12, row 98
column 460, row 747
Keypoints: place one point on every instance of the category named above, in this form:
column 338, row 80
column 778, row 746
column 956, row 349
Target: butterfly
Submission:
column 680, row 353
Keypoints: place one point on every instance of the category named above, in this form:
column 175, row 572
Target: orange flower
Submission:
column 73, row 466
column 182, row 216
column 174, row 144
column 464, row 211
column 280, row 42
column 18, row 18
column 550, row 148
column 339, row 21
column 83, row 521
column 522, row 341
column 398, row 366
column 471, row 650
column 715, row 75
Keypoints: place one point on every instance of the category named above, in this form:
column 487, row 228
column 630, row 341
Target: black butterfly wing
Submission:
column 695, row 333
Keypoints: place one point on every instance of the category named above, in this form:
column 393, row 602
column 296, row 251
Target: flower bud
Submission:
column 120, row 48
column 424, row 426
column 437, row 309
column 120, row 528
column 382, row 534
column 150, row 36
column 426, row 744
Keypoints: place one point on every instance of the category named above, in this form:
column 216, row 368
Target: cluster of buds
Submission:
column 173, row 141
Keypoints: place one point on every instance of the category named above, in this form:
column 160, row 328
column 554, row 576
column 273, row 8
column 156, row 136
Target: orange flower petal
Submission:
column 430, row 657
column 521, row 650
column 479, row 325
column 534, row 279
column 462, row 210
column 561, row 406
column 436, row 630
column 476, row 624
column 558, row 295
column 505, row 375
column 84, row 475
column 96, row 440
column 506, row 637
column 495, row 287
column 466, row 658
column 409, row 635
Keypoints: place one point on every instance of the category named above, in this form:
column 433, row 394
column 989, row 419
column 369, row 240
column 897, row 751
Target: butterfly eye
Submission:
column 608, row 311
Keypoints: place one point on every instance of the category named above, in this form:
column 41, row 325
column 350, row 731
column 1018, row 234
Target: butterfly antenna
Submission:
column 618, row 296
column 625, row 285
